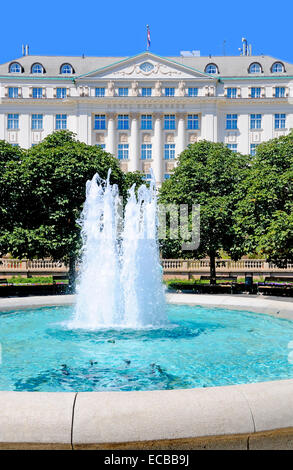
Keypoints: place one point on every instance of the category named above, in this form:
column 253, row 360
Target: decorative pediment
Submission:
column 148, row 69
column 146, row 66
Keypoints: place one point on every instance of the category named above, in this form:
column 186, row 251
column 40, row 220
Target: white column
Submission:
column 82, row 126
column 207, row 126
column 134, row 144
column 110, row 147
column 158, row 149
column 181, row 134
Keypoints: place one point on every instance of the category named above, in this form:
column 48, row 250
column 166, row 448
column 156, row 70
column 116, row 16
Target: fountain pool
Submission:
column 183, row 377
column 200, row 347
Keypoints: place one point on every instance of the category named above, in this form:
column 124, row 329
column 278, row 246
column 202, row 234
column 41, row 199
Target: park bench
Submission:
column 3, row 280
column 220, row 278
column 60, row 277
column 278, row 279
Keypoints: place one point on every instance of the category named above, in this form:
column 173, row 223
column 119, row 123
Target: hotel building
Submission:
column 146, row 109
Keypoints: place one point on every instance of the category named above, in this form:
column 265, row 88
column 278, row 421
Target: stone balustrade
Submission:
column 10, row 267
column 15, row 267
column 222, row 265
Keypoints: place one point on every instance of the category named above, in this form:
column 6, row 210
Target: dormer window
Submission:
column 15, row 67
column 211, row 68
column 277, row 67
column 37, row 68
column 66, row 69
column 255, row 68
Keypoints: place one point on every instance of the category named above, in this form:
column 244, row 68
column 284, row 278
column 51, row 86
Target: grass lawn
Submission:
column 32, row 280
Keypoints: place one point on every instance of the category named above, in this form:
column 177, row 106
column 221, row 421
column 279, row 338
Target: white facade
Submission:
column 142, row 109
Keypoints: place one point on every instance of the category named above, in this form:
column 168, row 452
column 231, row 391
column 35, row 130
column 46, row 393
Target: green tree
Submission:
column 135, row 177
column 264, row 215
column 48, row 189
column 207, row 174
column 10, row 161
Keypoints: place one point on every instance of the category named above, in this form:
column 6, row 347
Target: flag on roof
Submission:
column 148, row 37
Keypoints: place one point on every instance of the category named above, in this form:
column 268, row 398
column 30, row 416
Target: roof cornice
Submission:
column 221, row 79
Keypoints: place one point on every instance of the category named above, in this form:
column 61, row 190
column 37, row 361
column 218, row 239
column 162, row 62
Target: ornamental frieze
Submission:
column 146, row 71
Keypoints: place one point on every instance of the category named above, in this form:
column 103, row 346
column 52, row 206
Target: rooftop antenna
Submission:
column 244, row 46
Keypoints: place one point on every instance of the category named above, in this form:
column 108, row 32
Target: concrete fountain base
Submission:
column 249, row 416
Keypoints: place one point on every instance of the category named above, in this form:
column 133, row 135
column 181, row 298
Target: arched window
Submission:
column 37, row 68
column 15, row 67
column 277, row 67
column 66, row 68
column 255, row 68
column 211, row 68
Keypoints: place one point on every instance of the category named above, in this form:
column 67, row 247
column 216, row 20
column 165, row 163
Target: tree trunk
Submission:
column 212, row 268
column 72, row 273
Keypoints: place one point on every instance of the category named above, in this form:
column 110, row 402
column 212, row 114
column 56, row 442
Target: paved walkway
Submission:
column 278, row 306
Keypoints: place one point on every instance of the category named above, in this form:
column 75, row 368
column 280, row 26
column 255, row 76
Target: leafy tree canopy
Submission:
column 264, row 215
column 45, row 192
column 207, row 174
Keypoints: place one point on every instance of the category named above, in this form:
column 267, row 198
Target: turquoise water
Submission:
column 201, row 347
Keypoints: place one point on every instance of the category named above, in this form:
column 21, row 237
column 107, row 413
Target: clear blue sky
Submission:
column 118, row 28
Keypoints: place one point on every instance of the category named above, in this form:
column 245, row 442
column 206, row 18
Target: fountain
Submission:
column 120, row 282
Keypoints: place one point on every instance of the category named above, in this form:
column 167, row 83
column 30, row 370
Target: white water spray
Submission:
column 120, row 283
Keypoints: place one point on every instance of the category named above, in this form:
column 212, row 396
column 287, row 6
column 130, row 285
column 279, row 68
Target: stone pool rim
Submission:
column 246, row 416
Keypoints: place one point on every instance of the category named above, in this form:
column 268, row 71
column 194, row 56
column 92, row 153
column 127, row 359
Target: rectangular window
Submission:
column 102, row 146
column 146, row 151
column 280, row 92
column 169, row 91
column 255, row 121
column 100, row 92
column 192, row 121
column 280, row 121
column 37, row 93
column 61, row 93
column 37, row 121
column 61, row 121
column 13, row 92
column 122, row 91
column 146, row 121
column 100, row 121
column 169, row 121
column 232, row 147
column 13, row 121
column 166, row 176
column 123, row 121
column 15, row 145
column 255, row 92
column 146, row 92
column 231, row 121
column 147, row 177
column 192, row 91
column 253, row 149
column 123, row 151
column 231, row 92
column 169, row 153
